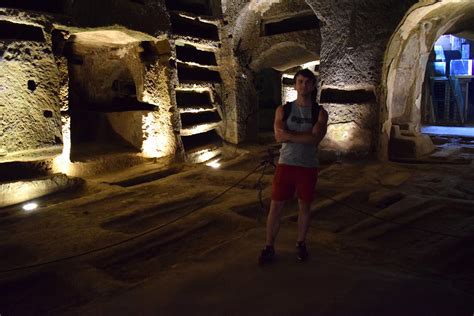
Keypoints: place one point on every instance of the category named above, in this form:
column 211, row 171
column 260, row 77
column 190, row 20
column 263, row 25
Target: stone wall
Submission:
column 30, row 123
column 354, row 36
column 248, row 51
column 404, row 71
column 147, row 16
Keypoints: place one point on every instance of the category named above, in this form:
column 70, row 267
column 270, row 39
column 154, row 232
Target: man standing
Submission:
column 299, row 126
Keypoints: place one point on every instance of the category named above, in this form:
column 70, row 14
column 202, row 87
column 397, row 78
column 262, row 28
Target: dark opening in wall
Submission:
column 197, row 74
column 194, row 28
column 288, row 81
column 51, row 6
column 192, row 119
column 347, row 96
column 292, row 24
column 31, row 85
column 189, row 98
column 22, row 32
column 198, row 7
column 14, row 171
column 196, row 141
column 92, row 134
column 124, row 88
column 150, row 52
column 189, row 53
column 119, row 105
column 47, row 113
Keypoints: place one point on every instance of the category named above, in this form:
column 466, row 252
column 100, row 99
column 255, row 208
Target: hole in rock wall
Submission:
column 188, row 53
column 124, row 88
column 51, row 6
column 193, row 98
column 202, row 140
column 106, row 116
column 206, row 117
column 197, row 74
column 14, row 171
column 198, row 7
column 48, row 114
column 15, row 31
column 291, row 24
column 142, row 2
column 150, row 52
column 330, row 95
column 31, row 85
column 193, row 27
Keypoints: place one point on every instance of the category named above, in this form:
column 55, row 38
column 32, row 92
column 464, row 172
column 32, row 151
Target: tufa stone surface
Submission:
column 22, row 191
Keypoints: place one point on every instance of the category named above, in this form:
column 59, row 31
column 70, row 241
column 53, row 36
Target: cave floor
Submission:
column 386, row 239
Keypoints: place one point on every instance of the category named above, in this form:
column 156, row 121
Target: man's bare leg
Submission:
column 304, row 218
column 273, row 221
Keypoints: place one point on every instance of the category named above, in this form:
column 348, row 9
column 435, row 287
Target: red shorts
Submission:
column 289, row 179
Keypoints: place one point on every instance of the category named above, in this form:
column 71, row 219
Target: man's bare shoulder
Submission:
column 279, row 109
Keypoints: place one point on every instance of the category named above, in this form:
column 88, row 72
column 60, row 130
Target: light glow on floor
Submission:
column 30, row 206
column 214, row 164
column 448, row 130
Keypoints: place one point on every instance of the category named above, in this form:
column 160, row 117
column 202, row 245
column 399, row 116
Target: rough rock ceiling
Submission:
column 284, row 57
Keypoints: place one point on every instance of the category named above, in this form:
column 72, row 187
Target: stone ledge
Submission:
column 21, row 191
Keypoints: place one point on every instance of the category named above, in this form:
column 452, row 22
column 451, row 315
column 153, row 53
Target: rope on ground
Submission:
column 127, row 240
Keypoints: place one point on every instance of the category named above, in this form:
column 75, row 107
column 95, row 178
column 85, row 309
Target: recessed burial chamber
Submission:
column 51, row 6
column 107, row 109
column 10, row 31
column 188, row 99
column 201, row 141
column 300, row 22
column 188, row 53
column 334, row 95
column 198, row 7
column 193, row 27
column 204, row 117
column 197, row 74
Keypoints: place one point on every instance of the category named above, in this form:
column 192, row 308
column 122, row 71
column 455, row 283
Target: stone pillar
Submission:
column 354, row 38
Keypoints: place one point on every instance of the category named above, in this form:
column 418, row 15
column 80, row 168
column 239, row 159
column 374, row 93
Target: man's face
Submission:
column 304, row 86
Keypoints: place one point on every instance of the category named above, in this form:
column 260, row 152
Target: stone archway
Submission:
column 404, row 70
column 255, row 49
column 270, row 66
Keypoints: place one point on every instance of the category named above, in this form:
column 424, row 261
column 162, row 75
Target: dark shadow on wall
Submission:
column 268, row 86
column 50, row 6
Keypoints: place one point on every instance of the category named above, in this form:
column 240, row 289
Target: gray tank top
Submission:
column 303, row 155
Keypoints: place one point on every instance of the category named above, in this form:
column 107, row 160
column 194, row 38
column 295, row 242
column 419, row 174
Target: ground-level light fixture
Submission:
column 214, row 164
column 30, row 206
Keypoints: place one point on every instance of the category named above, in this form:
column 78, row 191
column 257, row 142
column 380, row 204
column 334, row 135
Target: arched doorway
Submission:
column 270, row 39
column 447, row 106
column 405, row 65
column 274, row 77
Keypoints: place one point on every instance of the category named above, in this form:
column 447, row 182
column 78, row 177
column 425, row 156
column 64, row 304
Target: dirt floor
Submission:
column 386, row 239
